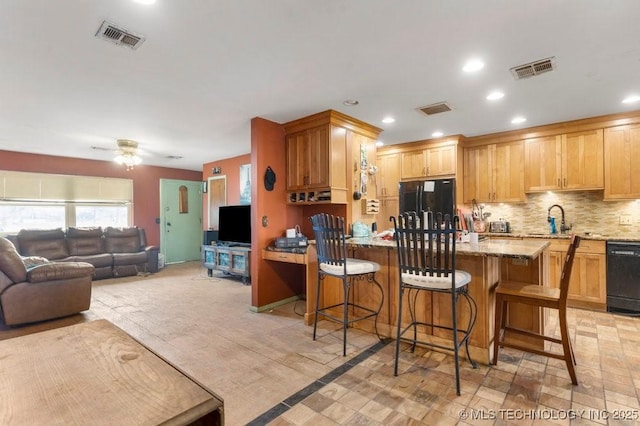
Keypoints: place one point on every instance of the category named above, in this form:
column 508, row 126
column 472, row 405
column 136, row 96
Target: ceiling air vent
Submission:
column 119, row 35
column 533, row 68
column 435, row 108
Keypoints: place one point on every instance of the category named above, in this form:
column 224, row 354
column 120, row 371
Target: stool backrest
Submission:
column 328, row 231
column 426, row 243
column 565, row 278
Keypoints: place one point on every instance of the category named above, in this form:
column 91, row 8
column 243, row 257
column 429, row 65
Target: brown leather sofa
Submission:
column 114, row 252
column 35, row 289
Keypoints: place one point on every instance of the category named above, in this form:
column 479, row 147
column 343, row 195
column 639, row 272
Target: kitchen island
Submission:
column 486, row 261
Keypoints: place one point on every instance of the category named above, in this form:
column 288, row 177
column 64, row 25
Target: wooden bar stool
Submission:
column 544, row 297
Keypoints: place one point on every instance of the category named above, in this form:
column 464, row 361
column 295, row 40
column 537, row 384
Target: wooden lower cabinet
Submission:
column 588, row 285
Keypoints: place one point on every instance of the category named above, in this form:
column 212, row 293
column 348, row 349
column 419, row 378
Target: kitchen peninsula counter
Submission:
column 488, row 262
column 493, row 247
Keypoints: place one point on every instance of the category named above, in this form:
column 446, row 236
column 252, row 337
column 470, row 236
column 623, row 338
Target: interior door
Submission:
column 180, row 220
column 217, row 196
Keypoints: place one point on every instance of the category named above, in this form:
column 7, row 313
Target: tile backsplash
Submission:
column 584, row 210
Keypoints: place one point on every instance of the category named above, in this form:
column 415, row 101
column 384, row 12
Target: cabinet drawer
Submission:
column 280, row 256
column 592, row 247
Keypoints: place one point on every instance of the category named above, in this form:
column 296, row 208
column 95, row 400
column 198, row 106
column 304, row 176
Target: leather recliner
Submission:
column 36, row 289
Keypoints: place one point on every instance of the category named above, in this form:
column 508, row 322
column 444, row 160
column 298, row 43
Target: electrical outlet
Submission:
column 626, row 219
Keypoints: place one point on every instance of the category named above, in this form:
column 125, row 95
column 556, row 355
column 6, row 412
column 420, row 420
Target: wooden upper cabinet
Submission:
column 508, row 172
column 494, row 173
column 477, row 176
column 308, row 159
column 441, row 161
column 414, row 164
column 583, row 160
column 543, row 163
column 565, row 162
column 622, row 162
column 429, row 162
column 388, row 175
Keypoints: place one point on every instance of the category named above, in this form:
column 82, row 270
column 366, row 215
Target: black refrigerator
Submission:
column 438, row 196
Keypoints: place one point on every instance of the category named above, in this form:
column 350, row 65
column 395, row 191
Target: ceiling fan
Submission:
column 128, row 153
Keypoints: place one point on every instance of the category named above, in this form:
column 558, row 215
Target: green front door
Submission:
column 180, row 220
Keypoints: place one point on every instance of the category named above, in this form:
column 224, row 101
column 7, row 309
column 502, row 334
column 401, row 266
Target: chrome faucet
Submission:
column 563, row 225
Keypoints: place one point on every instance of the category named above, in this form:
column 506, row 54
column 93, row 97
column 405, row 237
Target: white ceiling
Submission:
column 208, row 67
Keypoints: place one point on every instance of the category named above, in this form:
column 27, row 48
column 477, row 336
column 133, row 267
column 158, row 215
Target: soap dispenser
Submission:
column 552, row 224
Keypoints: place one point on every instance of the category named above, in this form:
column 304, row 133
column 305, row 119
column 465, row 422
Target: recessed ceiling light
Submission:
column 379, row 143
column 495, row 96
column 473, row 65
column 437, row 134
column 145, row 1
column 350, row 102
column 388, row 120
column 518, row 120
column 631, row 99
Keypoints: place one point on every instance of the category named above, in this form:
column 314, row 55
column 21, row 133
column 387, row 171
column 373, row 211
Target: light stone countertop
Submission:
column 586, row 236
column 494, row 247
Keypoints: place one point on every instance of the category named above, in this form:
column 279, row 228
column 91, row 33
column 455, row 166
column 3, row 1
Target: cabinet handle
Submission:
column 565, row 182
column 559, row 184
column 424, row 171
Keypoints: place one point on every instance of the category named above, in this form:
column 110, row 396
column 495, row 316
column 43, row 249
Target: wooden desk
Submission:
column 95, row 373
column 310, row 262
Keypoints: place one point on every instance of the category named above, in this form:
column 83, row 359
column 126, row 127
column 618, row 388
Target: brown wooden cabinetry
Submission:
column 388, row 179
column 570, row 161
column 316, row 164
column 389, row 206
column 587, row 288
column 388, row 175
column 622, row 162
column 308, row 164
column 429, row 162
column 494, row 173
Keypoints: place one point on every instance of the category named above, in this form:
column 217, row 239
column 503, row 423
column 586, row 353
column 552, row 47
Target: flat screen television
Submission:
column 234, row 225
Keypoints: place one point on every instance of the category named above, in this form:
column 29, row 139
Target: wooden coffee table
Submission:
column 95, row 373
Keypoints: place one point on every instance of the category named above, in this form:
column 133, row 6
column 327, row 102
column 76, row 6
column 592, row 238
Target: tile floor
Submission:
column 523, row 389
column 268, row 370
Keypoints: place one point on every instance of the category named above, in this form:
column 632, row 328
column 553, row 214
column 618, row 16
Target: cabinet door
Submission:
column 388, row 175
column 389, row 206
column 583, row 160
column 296, row 158
column 441, row 161
column 622, row 162
column 414, row 164
column 508, row 172
column 317, row 162
column 477, row 177
column 543, row 163
column 308, row 159
column 588, row 279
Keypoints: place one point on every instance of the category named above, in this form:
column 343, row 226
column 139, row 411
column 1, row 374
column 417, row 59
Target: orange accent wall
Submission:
column 230, row 168
column 271, row 281
column 146, row 181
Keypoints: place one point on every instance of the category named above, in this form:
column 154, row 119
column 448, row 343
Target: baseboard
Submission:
column 275, row 304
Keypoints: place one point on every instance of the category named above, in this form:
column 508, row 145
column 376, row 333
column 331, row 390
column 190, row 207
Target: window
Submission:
column 49, row 201
column 101, row 215
column 14, row 216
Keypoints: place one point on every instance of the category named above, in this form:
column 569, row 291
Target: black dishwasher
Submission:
column 623, row 277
